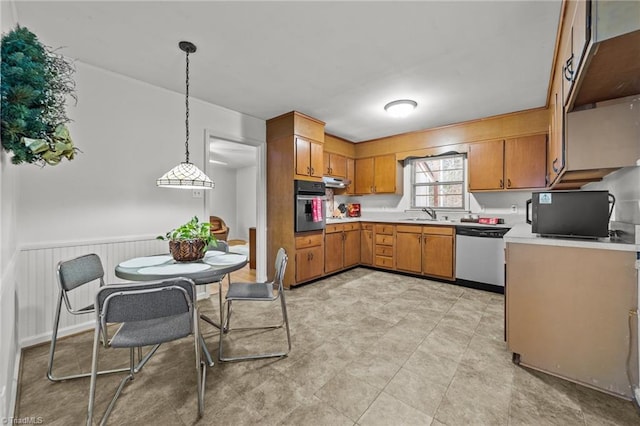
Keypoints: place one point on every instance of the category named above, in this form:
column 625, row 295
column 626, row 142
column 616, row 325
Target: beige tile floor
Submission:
column 369, row 348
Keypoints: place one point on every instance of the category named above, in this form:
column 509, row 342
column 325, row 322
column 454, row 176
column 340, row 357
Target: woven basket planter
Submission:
column 187, row 250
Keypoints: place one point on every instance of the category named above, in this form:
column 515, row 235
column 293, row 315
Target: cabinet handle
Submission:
column 375, row 189
column 567, row 70
column 371, row 188
column 553, row 165
column 508, row 183
column 312, row 171
column 501, row 184
column 308, row 257
column 311, row 254
column 308, row 170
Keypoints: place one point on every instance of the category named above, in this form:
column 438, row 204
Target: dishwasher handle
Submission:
column 527, row 210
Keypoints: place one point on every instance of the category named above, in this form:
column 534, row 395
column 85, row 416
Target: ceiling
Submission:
column 339, row 62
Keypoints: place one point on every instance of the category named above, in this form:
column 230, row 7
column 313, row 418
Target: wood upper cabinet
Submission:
column 309, row 158
column 409, row 248
column 334, row 165
column 378, row 175
column 555, row 146
column 438, row 251
column 575, row 36
column 351, row 175
column 525, row 162
column 366, row 244
column 508, row 164
column 486, row 163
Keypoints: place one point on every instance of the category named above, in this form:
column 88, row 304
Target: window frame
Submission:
column 463, row 182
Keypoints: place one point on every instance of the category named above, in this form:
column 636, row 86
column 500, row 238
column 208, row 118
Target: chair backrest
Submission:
column 219, row 246
column 280, row 267
column 216, row 223
column 81, row 270
column 145, row 301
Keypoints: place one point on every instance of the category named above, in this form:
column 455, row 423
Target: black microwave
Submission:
column 579, row 214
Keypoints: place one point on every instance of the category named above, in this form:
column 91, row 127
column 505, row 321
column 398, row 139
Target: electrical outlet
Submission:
column 514, row 208
column 198, row 193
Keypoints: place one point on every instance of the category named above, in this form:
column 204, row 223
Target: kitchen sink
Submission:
column 427, row 219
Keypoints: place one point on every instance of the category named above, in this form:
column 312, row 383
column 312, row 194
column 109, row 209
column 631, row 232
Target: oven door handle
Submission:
column 309, row 198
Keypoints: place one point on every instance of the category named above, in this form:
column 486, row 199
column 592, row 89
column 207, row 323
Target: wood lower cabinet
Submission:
column 409, row 248
column 309, row 257
column 333, row 248
column 384, row 245
column 438, row 251
column 427, row 250
column 352, row 247
column 366, row 244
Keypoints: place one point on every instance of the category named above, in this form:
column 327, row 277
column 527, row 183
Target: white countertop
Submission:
column 521, row 233
column 404, row 219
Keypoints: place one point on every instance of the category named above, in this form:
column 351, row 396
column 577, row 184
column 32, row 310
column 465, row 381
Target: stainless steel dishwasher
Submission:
column 480, row 255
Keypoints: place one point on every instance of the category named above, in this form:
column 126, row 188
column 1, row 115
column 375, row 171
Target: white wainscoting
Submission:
column 37, row 287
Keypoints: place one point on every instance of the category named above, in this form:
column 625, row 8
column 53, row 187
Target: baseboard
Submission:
column 14, row 384
column 62, row 332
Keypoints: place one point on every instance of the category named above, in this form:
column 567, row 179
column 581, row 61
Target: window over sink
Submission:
column 438, row 182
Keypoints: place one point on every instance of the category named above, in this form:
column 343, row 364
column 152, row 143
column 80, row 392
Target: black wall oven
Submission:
column 309, row 205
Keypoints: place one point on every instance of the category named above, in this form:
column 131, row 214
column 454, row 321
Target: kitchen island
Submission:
column 571, row 308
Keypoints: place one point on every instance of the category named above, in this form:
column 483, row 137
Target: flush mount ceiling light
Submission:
column 400, row 108
column 186, row 175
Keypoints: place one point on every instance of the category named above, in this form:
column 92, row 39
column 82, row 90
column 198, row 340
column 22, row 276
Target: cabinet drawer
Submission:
column 386, row 240
column 384, row 229
column 384, row 262
column 367, row 226
column 384, row 250
column 351, row 226
column 308, row 241
column 330, row 229
column 439, row 230
column 409, row 228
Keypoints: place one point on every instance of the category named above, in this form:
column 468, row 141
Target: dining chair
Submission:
column 219, row 229
column 257, row 292
column 149, row 313
column 74, row 274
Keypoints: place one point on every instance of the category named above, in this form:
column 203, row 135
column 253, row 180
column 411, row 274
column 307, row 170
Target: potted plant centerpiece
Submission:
column 189, row 242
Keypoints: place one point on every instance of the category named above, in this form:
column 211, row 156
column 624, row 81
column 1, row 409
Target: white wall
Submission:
column 246, row 201
column 624, row 184
column 222, row 199
column 130, row 133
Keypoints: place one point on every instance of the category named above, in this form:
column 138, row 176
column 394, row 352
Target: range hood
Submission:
column 334, row 182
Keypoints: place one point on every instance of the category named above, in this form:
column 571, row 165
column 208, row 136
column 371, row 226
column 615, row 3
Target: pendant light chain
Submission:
column 186, row 121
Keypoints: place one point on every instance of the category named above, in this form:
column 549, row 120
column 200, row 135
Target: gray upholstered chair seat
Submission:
column 250, row 291
column 152, row 332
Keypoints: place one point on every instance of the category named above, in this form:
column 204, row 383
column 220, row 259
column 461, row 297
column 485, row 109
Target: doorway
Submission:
column 238, row 169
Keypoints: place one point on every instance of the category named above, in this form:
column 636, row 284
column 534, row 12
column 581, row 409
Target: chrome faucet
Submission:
column 430, row 211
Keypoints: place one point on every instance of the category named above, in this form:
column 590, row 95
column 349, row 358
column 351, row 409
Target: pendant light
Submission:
column 186, row 175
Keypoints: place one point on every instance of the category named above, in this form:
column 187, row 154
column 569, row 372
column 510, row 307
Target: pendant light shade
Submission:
column 186, row 175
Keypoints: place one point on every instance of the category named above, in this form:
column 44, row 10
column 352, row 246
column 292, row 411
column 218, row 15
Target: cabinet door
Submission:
column 437, row 255
column 338, row 165
column 309, row 263
column 525, row 162
column 486, row 165
column 351, row 175
column 326, row 162
column 333, row 252
column 303, row 156
column 366, row 247
column 316, row 159
column 408, row 252
column 580, row 34
column 351, row 248
column 555, row 153
column 384, row 174
column 364, row 176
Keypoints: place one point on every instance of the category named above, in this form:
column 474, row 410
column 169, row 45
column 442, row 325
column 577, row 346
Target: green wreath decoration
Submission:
column 35, row 85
